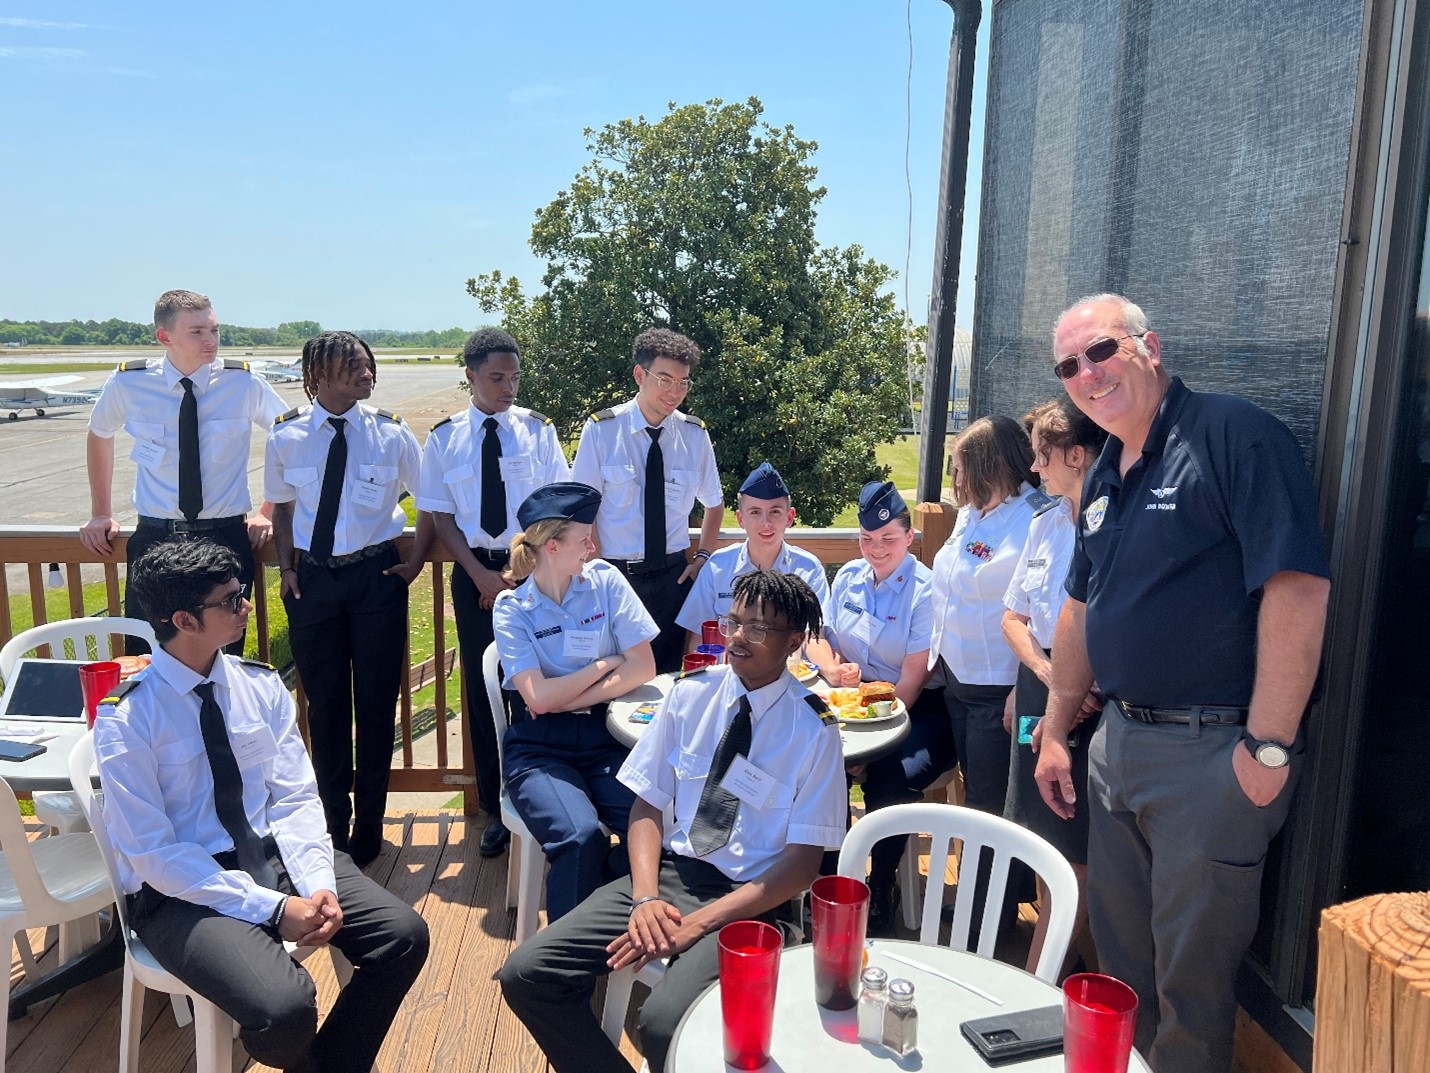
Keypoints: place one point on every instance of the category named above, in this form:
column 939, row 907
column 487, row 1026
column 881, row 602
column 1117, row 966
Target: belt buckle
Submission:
column 181, row 525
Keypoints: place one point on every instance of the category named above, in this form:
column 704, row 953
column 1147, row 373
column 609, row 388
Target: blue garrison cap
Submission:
column 567, row 500
column 879, row 502
column 765, row 482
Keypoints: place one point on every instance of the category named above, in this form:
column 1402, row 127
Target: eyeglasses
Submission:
column 665, row 382
column 233, row 601
column 1097, row 352
column 755, row 632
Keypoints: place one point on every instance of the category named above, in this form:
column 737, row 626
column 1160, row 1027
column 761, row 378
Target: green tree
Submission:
column 704, row 222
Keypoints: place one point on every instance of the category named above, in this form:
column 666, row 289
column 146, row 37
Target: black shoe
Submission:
column 365, row 844
column 884, row 902
column 495, row 838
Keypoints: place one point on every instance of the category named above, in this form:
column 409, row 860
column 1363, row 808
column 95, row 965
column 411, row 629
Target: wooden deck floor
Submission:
column 453, row 1020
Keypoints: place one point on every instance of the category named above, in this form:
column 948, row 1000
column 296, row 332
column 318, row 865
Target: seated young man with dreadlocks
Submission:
column 750, row 765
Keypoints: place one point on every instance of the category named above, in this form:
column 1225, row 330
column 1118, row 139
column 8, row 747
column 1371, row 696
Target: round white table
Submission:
column 49, row 770
column 862, row 741
column 808, row 1039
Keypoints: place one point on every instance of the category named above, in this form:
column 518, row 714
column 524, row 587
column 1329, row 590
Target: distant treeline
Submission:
column 127, row 333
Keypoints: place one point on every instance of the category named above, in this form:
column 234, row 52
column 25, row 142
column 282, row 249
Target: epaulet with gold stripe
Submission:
column 258, row 664
column 692, row 672
column 821, row 709
column 235, row 364
column 539, row 417
column 126, row 686
column 690, row 418
column 603, row 415
column 133, row 365
column 288, row 416
column 445, row 421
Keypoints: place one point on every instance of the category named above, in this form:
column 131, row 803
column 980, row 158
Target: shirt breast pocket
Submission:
column 690, row 772
column 680, row 490
column 148, row 450
column 766, row 826
column 303, row 478
column 461, row 484
column 376, row 477
column 178, row 754
column 620, row 485
column 225, row 430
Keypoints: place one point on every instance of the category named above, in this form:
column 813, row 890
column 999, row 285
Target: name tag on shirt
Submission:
column 580, row 644
column 254, row 746
column 866, row 628
column 368, row 493
column 516, row 468
column 754, row 787
column 674, row 493
column 148, row 454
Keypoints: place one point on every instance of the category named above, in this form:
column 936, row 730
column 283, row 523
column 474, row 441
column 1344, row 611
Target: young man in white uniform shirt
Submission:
column 477, row 468
column 190, row 415
column 651, row 462
column 335, row 472
column 764, row 512
column 221, row 841
column 691, row 877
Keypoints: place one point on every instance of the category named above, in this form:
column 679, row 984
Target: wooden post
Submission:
column 1373, row 987
column 935, row 522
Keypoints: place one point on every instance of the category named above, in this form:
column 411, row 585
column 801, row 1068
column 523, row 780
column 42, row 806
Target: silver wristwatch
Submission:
column 1269, row 754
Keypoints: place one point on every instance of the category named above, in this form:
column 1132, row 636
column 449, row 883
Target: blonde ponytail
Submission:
column 525, row 544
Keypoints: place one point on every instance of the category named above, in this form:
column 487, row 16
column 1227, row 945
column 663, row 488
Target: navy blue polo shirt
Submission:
column 1170, row 559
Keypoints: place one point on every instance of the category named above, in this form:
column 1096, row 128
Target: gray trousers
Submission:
column 548, row 980
column 1175, row 857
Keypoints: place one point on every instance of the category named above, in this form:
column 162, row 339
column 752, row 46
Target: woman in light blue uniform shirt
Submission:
column 878, row 620
column 571, row 636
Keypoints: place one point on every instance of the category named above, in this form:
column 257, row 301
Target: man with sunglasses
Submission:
column 748, row 766
column 651, row 462
column 220, row 837
column 1198, row 591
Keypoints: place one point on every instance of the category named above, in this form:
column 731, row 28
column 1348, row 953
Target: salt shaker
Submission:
column 872, row 1000
column 901, row 1020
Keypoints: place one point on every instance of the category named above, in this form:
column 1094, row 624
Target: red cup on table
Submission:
column 749, row 974
column 693, row 660
column 710, row 632
column 96, row 680
column 839, row 908
column 1099, row 1020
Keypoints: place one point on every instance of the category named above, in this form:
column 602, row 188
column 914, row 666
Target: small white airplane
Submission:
column 276, row 372
column 18, row 395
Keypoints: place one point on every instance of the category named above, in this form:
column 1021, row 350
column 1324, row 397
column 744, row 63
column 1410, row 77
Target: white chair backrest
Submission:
column 21, row 862
column 83, row 632
column 82, row 770
column 491, row 677
column 976, row 830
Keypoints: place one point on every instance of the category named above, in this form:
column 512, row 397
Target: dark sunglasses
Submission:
column 1097, row 352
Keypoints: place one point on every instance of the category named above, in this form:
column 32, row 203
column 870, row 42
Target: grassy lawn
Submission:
column 902, row 458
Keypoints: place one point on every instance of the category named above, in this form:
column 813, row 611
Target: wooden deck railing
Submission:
column 37, row 547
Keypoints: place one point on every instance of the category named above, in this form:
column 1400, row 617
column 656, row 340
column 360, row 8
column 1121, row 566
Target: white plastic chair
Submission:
column 53, row 881
column 59, row 809
column 214, row 1030
column 935, row 792
column 976, row 830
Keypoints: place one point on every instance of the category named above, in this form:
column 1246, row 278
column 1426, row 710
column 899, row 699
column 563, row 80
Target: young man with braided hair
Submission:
column 750, row 766
column 335, row 472
column 190, row 414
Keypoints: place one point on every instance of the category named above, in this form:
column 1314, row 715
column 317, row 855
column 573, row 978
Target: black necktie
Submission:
column 326, row 523
column 715, row 815
column 654, row 499
column 493, row 490
column 228, row 790
column 191, row 483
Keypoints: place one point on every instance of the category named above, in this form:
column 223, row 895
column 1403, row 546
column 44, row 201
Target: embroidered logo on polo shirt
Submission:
column 1094, row 514
column 1162, row 494
column 979, row 550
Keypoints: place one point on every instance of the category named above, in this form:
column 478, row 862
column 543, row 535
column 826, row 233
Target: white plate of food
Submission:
column 860, row 706
column 804, row 671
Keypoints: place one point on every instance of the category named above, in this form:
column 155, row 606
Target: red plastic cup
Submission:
column 692, row 660
column 749, row 974
column 1099, row 1020
column 710, row 632
column 840, row 911
column 96, row 680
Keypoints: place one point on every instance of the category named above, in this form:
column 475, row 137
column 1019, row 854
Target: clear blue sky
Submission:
column 355, row 163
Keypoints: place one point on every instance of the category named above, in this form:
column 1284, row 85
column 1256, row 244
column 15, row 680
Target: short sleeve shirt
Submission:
column 1171, row 558
column 713, row 590
column 1036, row 589
column 600, row 616
column 878, row 625
column 611, row 458
column 809, row 800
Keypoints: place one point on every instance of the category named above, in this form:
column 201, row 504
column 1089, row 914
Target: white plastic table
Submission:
column 862, row 742
column 808, row 1039
column 49, row 770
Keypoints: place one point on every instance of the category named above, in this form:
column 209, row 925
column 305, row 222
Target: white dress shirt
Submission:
column 451, row 481
column 611, row 458
column 713, row 591
column 159, row 789
column 970, row 576
column 143, row 399
column 383, row 462
column 808, row 801
column 1036, row 589
column 878, row 625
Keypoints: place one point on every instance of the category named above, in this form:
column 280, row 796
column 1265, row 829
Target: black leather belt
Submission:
column 332, row 562
column 636, row 567
column 198, row 525
column 491, row 558
column 1207, row 715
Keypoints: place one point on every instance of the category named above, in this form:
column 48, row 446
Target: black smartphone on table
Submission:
column 19, row 750
column 1016, row 1037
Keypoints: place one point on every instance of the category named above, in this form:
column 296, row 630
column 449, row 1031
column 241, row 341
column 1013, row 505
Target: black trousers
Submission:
column 243, row 969
column 548, row 980
column 348, row 633
column 474, row 634
column 233, row 536
column 663, row 597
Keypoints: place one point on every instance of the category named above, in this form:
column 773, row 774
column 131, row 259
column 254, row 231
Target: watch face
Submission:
column 1272, row 756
